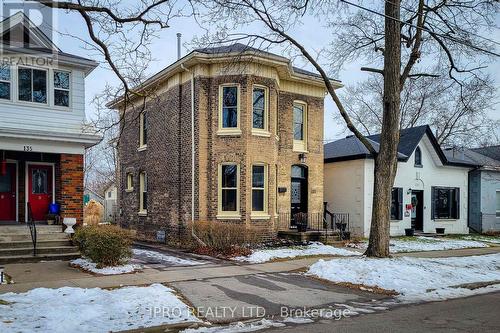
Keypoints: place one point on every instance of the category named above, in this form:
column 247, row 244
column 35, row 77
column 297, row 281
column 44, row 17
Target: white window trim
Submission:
column 262, row 131
column 130, row 182
column 143, row 178
column 300, row 145
column 228, row 214
column 142, row 145
column 265, row 213
column 62, row 89
column 231, row 131
column 10, row 82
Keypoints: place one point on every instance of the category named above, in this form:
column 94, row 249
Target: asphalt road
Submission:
column 472, row 314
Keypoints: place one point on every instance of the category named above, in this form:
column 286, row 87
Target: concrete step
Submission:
column 23, row 229
column 41, row 257
column 40, row 249
column 29, row 243
column 40, row 237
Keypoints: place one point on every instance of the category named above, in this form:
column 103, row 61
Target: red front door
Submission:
column 8, row 193
column 40, row 190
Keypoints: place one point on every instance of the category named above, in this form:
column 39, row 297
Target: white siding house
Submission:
column 429, row 191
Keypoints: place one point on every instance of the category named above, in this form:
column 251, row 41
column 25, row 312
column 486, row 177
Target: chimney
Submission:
column 179, row 45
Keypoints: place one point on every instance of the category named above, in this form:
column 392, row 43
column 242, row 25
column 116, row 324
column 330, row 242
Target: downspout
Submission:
column 193, row 155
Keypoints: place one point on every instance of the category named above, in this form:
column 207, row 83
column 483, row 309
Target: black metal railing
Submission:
column 338, row 222
column 32, row 227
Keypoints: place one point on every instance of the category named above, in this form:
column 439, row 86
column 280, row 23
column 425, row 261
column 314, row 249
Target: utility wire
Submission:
column 423, row 29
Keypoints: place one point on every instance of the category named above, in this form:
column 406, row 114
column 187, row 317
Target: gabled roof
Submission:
column 492, row 152
column 351, row 148
column 474, row 156
column 20, row 35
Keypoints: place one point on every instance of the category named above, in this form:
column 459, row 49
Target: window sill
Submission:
column 142, row 148
column 143, row 213
column 229, row 132
column 128, row 190
column 419, row 166
column 228, row 217
column 446, row 219
column 259, row 216
column 263, row 133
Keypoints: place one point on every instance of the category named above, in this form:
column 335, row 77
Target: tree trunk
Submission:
column 386, row 159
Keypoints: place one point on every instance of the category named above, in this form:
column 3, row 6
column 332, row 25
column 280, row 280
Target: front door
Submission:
column 298, row 191
column 8, row 193
column 417, row 210
column 40, row 190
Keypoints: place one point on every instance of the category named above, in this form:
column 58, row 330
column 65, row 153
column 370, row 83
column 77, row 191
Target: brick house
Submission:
column 42, row 113
column 227, row 134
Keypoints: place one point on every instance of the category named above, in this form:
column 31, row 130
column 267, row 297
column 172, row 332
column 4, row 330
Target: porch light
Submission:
column 302, row 158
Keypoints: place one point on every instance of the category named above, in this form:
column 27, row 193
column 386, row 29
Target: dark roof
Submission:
column 472, row 156
column 240, row 48
column 351, row 148
column 492, row 152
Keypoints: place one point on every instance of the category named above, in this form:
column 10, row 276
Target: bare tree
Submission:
column 398, row 41
column 458, row 118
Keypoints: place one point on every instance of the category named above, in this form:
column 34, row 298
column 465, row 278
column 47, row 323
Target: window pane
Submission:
column 61, row 80
column 5, row 181
column 443, row 203
column 39, row 181
column 258, row 98
column 298, row 114
column 61, row 97
column 258, row 118
column 298, row 172
column 298, row 133
column 229, row 200
column 5, row 73
column 24, row 84
column 258, row 108
column 258, row 200
column 144, row 128
column 4, row 90
column 229, row 96
column 144, row 201
column 229, row 175
column 39, row 86
column 230, row 117
column 258, row 176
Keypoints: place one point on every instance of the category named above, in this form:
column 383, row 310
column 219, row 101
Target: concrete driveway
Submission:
column 229, row 299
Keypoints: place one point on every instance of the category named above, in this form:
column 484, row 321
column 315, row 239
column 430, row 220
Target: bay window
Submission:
column 259, row 188
column 260, row 109
column 229, row 108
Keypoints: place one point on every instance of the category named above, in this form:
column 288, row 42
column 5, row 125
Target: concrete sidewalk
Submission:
column 56, row 274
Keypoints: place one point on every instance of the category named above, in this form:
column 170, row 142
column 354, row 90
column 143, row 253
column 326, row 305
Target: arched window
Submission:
column 418, row 157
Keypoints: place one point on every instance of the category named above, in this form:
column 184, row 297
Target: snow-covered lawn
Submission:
column 415, row 279
column 482, row 238
column 164, row 258
column 90, row 310
column 316, row 248
column 90, row 266
column 422, row 243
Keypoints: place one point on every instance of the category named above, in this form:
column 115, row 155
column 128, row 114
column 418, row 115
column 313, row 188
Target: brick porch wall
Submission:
column 71, row 183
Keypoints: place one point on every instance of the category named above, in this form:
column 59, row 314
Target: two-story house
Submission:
column 228, row 133
column 42, row 114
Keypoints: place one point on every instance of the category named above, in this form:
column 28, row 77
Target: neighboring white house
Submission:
column 429, row 191
column 110, row 195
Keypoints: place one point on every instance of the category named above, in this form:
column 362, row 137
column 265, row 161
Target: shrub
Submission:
column 223, row 238
column 106, row 245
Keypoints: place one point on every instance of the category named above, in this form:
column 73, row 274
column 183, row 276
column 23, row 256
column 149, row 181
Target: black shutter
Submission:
column 145, row 127
column 400, row 203
column 433, row 203
column 457, row 203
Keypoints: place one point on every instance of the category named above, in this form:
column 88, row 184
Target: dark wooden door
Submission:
column 417, row 210
column 298, row 191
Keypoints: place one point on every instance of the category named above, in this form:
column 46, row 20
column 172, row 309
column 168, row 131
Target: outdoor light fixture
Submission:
column 409, row 191
column 302, row 157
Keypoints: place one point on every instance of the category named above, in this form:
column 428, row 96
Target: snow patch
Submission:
column 90, row 266
column 238, row 327
column 71, row 309
column 415, row 279
column 163, row 258
column 422, row 243
column 316, row 248
column 486, row 239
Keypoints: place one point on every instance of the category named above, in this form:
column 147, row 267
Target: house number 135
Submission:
column 28, row 148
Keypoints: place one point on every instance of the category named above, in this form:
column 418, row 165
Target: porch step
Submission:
column 40, row 249
column 41, row 257
column 27, row 237
column 29, row 244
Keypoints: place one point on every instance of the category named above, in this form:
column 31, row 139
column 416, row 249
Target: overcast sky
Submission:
column 164, row 51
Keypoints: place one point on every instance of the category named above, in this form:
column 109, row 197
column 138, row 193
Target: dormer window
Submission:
column 5, row 82
column 32, row 85
column 61, row 88
column 418, row 157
